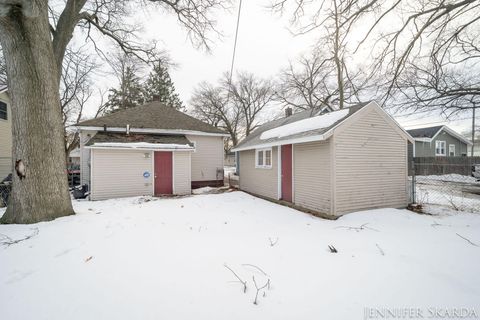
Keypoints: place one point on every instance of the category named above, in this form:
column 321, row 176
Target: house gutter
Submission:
column 159, row 131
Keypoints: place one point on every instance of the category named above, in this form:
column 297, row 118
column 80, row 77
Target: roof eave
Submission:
column 139, row 148
column 151, row 130
column 454, row 134
column 312, row 138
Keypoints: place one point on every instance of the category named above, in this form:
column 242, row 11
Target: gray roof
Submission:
column 427, row 132
column 153, row 115
column 254, row 138
column 102, row 137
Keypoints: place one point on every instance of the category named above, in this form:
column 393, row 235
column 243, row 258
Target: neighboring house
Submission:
column 230, row 159
column 5, row 134
column 438, row 141
column 74, row 158
column 343, row 161
column 149, row 150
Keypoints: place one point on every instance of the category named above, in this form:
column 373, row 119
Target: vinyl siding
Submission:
column 370, row 165
column 6, row 163
column 311, row 169
column 427, row 149
column 263, row 182
column 85, row 136
column 181, row 173
column 119, row 173
column 208, row 158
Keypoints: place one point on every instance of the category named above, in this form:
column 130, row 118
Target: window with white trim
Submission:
column 263, row 158
column 3, row 111
column 451, row 150
column 440, row 148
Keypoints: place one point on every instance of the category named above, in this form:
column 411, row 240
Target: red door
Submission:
column 163, row 173
column 287, row 172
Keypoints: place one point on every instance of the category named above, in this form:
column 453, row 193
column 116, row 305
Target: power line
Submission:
column 435, row 122
column 235, row 43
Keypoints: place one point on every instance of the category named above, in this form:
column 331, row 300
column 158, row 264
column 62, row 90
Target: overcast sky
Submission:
column 265, row 45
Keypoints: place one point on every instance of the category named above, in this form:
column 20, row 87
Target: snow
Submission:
column 203, row 190
column 149, row 258
column 453, row 177
column 318, row 122
column 141, row 145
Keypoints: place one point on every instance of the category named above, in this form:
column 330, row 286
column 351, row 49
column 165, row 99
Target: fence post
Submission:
column 414, row 190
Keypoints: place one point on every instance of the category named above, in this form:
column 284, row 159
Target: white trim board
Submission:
column 160, row 131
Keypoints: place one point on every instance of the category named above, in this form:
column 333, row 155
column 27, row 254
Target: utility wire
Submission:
column 235, row 43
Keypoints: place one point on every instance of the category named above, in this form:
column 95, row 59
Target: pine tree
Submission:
column 160, row 84
column 129, row 94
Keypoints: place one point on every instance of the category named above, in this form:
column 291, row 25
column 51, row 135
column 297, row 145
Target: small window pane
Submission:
column 260, row 158
column 440, row 148
column 268, row 157
column 3, row 111
column 451, row 150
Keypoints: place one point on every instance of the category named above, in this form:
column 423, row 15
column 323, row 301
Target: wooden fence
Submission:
column 425, row 166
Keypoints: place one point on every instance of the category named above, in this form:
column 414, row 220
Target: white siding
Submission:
column 263, row 182
column 181, row 173
column 208, row 158
column 119, row 173
column 6, row 163
column 311, row 174
column 85, row 136
column 370, row 165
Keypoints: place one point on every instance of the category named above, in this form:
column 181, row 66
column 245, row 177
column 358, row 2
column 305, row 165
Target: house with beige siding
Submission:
column 5, row 134
column 335, row 163
column 149, row 150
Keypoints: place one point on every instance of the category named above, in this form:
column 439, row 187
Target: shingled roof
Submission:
column 427, row 132
column 153, row 115
column 255, row 139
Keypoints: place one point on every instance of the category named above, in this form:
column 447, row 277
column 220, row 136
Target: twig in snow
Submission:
column 273, row 243
column 267, row 284
column 357, row 229
column 332, row 249
column 239, row 279
column 468, row 240
column 7, row 241
column 380, row 249
column 254, row 266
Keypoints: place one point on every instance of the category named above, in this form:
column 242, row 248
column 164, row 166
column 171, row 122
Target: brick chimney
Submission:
column 288, row 112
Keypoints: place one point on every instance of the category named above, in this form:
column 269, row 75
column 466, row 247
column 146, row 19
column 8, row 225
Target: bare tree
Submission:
column 335, row 22
column 251, row 95
column 311, row 83
column 234, row 106
column 75, row 91
column 210, row 105
column 34, row 40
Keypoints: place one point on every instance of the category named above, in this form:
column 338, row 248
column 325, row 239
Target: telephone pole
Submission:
column 473, row 130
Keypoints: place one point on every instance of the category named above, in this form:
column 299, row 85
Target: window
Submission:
column 263, row 158
column 451, row 150
column 440, row 148
column 3, row 111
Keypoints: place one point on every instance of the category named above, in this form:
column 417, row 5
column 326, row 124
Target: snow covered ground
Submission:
column 147, row 258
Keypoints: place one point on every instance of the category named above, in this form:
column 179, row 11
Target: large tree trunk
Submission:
column 36, row 117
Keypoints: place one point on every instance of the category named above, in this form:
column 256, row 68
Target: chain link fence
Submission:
column 440, row 185
column 4, row 194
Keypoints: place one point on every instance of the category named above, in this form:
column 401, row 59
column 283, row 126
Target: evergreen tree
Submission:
column 129, row 94
column 160, row 84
